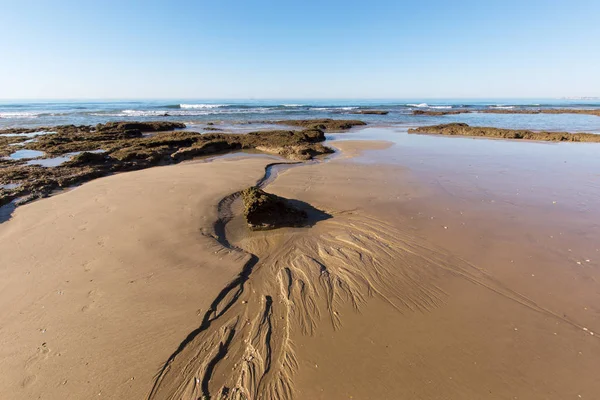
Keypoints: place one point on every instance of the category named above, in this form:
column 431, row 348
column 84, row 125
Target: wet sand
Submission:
column 515, row 322
column 421, row 286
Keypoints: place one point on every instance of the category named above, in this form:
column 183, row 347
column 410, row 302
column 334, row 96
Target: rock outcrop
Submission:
column 462, row 129
column 264, row 211
column 152, row 126
column 125, row 148
column 326, row 124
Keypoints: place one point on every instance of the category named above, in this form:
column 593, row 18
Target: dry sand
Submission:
column 100, row 285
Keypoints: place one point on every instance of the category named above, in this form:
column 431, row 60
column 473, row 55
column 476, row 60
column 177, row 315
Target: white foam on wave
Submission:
column 502, row 107
column 425, row 105
column 143, row 113
column 202, row 105
column 292, row 105
column 148, row 113
column 333, row 108
column 183, row 113
column 22, row 114
column 133, row 113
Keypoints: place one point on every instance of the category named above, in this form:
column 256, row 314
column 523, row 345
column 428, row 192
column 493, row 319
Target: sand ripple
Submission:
column 303, row 279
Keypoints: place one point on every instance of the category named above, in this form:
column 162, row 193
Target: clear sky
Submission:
column 299, row 49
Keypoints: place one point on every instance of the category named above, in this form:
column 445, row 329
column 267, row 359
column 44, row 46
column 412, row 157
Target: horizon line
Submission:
column 292, row 98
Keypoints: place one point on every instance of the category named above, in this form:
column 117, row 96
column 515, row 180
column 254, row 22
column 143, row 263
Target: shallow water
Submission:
column 10, row 186
column 51, row 162
column 532, row 174
column 56, row 161
column 246, row 154
column 536, row 122
column 25, row 154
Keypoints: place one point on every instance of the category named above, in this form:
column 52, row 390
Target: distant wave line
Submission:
column 333, row 108
column 30, row 114
column 202, row 105
column 189, row 112
column 27, row 114
column 425, row 105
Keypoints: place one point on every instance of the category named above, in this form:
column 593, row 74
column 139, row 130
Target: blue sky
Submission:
column 299, row 49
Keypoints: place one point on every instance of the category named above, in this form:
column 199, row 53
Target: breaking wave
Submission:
column 184, row 113
column 333, row 108
column 425, row 105
column 11, row 114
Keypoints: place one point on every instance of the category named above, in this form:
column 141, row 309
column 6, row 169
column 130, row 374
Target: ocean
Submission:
column 193, row 112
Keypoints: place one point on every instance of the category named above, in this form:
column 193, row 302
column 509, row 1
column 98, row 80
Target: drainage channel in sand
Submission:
column 293, row 282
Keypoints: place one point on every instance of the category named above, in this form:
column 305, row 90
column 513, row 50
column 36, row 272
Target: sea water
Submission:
column 48, row 113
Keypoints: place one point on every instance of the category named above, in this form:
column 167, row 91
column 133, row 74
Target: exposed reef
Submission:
column 118, row 127
column 461, row 129
column 264, row 210
column 127, row 146
column 325, row 124
column 510, row 111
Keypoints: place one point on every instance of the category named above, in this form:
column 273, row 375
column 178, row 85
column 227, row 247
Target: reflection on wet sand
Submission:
column 300, row 279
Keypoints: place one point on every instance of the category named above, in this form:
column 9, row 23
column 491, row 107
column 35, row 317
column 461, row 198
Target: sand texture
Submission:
column 101, row 284
column 151, row 285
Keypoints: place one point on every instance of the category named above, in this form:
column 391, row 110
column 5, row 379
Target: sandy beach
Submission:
column 259, row 200
column 406, row 292
column 100, row 284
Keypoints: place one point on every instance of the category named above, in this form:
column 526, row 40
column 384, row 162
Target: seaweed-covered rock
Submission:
column 462, row 129
column 126, row 149
column 86, row 158
column 326, row 124
column 267, row 211
column 203, row 149
column 152, row 126
column 296, row 152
